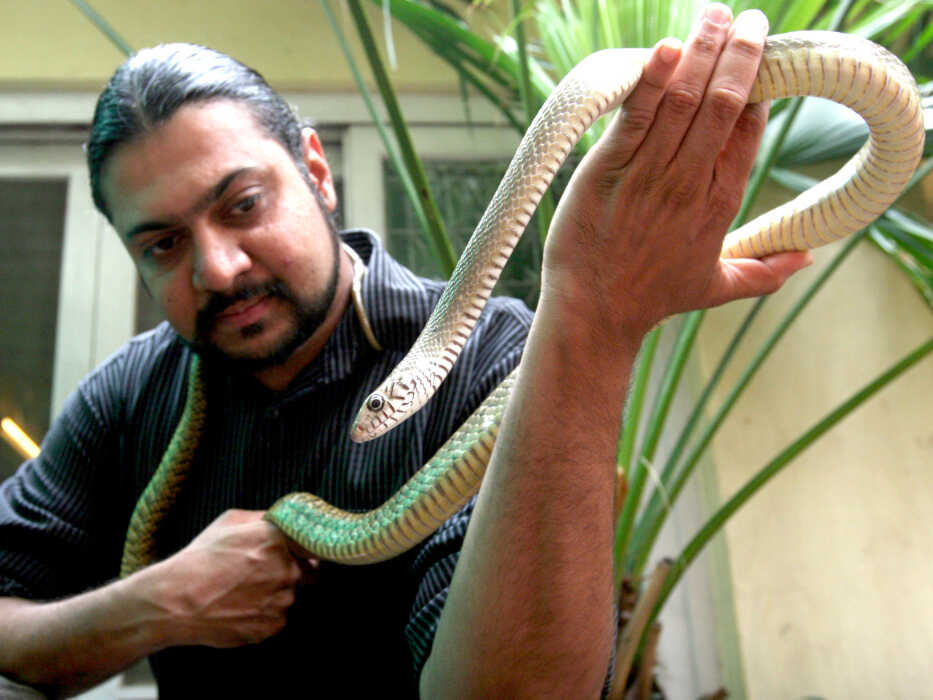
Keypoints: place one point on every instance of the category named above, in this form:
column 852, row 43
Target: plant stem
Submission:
column 630, row 424
column 653, row 431
column 672, row 374
column 660, row 498
column 391, row 150
column 726, row 511
column 653, row 518
column 104, row 26
column 446, row 256
column 630, row 638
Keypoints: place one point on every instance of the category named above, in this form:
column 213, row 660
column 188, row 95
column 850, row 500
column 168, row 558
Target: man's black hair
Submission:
column 150, row 86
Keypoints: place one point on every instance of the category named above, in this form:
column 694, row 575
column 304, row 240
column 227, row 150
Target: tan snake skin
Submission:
column 849, row 70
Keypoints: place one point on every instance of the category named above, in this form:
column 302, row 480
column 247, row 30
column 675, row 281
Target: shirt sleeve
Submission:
column 57, row 525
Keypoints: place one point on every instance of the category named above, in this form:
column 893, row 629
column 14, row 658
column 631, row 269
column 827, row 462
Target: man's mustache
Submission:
column 218, row 303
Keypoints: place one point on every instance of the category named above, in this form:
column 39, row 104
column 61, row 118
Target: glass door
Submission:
column 67, row 286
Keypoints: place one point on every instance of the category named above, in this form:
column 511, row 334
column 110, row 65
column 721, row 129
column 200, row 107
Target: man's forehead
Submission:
column 186, row 157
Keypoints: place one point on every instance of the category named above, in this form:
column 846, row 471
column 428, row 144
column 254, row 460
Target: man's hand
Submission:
column 232, row 585
column 648, row 208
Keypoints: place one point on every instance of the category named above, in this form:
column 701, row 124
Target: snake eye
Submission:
column 375, row 402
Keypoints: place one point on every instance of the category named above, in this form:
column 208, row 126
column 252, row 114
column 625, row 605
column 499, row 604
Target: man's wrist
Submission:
column 593, row 322
column 154, row 596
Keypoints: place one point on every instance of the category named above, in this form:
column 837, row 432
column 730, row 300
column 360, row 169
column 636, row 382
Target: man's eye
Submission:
column 160, row 247
column 246, row 204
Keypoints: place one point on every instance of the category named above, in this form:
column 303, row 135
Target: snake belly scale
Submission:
column 849, row 70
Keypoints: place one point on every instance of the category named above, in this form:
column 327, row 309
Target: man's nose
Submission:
column 218, row 259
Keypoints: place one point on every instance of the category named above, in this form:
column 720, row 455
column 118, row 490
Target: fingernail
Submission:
column 669, row 49
column 751, row 24
column 717, row 13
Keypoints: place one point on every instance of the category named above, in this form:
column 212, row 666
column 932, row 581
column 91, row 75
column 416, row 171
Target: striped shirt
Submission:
column 357, row 631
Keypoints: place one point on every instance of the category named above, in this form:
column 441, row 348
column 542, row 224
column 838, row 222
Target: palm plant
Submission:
column 516, row 76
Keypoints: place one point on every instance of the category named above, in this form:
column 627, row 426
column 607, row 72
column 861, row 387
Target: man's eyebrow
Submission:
column 211, row 196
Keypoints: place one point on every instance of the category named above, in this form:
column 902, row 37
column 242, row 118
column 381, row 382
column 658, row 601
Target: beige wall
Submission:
column 50, row 43
column 831, row 564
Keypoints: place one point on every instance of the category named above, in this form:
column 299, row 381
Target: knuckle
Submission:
column 638, row 118
column 233, row 516
column 681, row 194
column 726, row 103
column 600, row 174
column 683, row 99
column 724, row 203
column 647, row 180
column 293, row 573
column 746, row 47
column 286, row 598
column 752, row 120
column 683, row 191
column 707, row 43
column 263, row 630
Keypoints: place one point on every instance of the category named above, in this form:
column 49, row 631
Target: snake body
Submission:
column 849, row 70
column 852, row 71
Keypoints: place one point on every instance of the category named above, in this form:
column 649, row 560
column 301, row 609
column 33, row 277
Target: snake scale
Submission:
column 852, row 71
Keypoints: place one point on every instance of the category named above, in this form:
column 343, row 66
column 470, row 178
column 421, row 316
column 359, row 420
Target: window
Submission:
column 30, row 260
column 462, row 189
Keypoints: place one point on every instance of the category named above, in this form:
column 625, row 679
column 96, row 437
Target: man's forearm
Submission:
column 68, row 645
column 637, row 238
column 232, row 585
column 529, row 613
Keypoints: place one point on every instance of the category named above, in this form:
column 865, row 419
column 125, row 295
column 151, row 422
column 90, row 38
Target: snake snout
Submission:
column 392, row 403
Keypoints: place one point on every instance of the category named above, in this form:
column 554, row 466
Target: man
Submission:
column 226, row 218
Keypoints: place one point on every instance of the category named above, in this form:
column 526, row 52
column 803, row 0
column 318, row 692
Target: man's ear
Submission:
column 318, row 167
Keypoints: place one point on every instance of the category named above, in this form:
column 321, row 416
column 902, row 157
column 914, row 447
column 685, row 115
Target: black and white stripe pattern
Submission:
column 63, row 516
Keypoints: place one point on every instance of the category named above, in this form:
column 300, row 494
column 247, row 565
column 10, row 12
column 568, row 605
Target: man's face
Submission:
column 226, row 232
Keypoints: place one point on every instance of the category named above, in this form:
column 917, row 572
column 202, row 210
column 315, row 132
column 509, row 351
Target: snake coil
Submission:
column 849, row 70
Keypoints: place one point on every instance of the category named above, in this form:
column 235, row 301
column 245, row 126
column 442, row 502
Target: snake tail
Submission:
column 162, row 490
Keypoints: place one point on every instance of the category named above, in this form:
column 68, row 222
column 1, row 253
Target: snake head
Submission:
column 393, row 402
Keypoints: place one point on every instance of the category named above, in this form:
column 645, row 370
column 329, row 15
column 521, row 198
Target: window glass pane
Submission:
column 30, row 261
column 462, row 189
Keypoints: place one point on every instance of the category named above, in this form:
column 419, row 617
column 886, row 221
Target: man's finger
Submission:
column 685, row 91
column 743, row 278
column 627, row 131
column 728, row 90
column 736, row 160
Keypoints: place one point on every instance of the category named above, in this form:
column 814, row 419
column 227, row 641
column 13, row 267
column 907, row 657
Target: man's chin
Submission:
column 252, row 352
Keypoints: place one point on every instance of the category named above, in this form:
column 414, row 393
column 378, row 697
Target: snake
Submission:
column 846, row 69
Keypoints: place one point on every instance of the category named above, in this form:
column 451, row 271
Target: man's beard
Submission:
column 307, row 316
